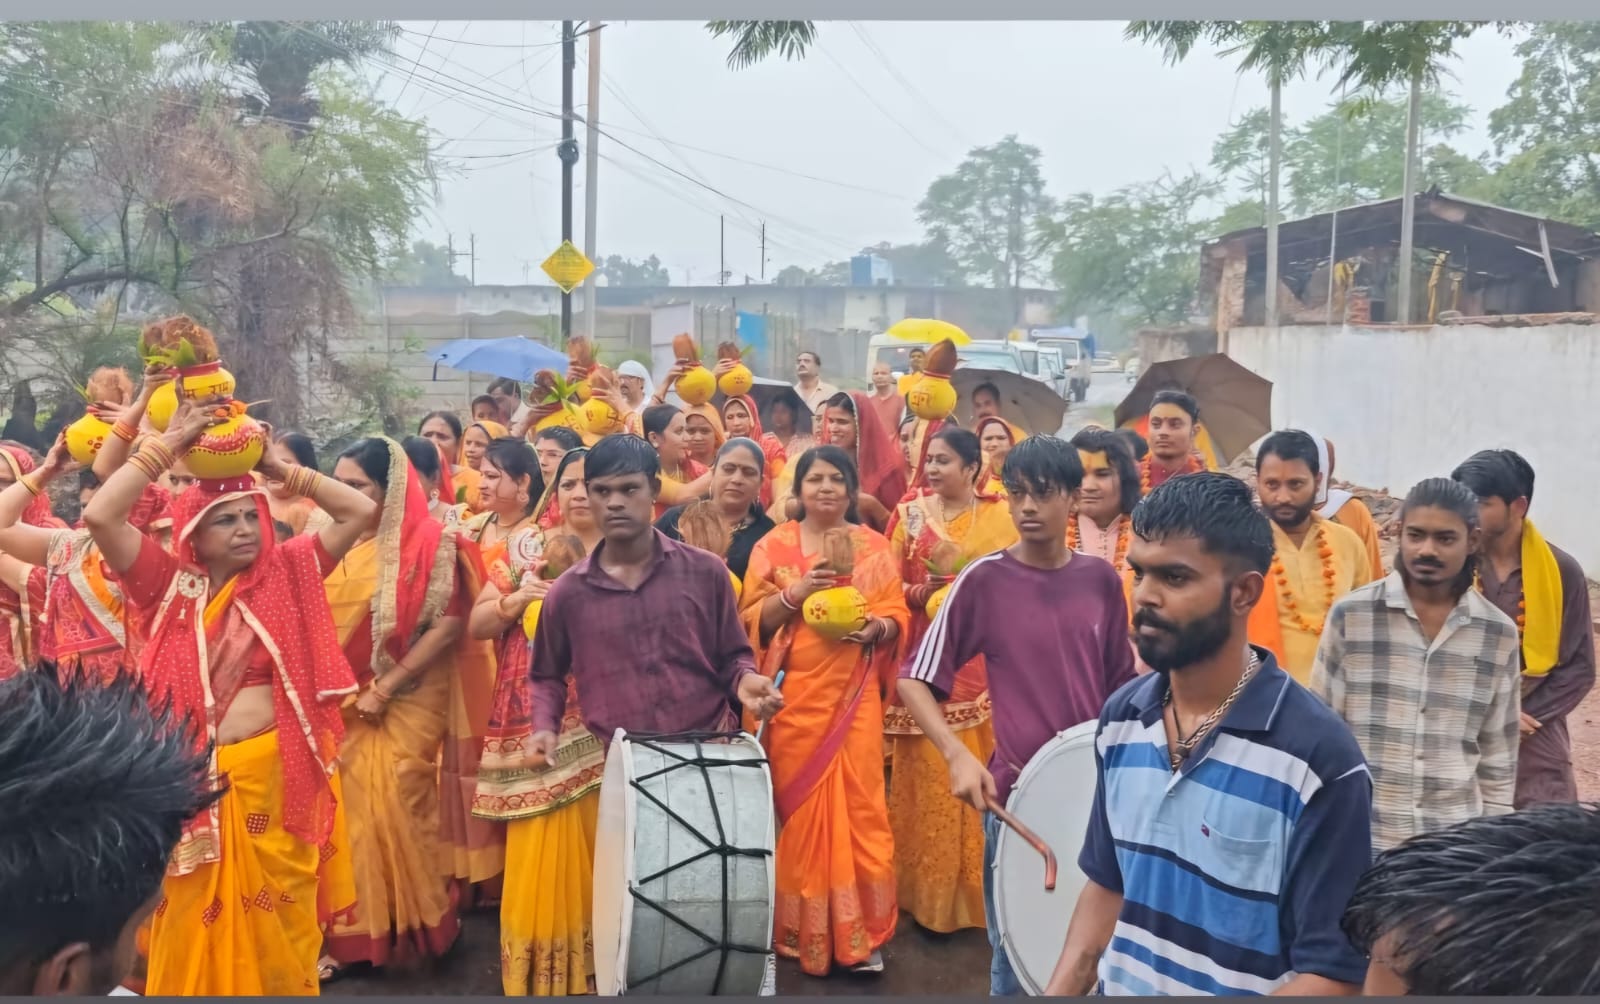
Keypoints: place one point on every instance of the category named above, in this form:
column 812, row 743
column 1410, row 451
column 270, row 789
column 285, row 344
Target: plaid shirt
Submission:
column 1438, row 722
column 666, row 657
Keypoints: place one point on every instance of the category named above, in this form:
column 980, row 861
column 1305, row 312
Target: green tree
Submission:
column 754, row 41
column 1549, row 127
column 1133, row 255
column 279, row 61
column 620, row 271
column 992, row 216
column 423, row 264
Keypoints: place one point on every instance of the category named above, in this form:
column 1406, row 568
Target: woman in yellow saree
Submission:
column 241, row 641
column 938, row 840
column 398, row 609
column 835, row 854
column 996, row 437
column 550, row 810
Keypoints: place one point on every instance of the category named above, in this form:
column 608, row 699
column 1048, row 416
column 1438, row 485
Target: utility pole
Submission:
column 567, row 151
column 1274, row 166
column 472, row 259
column 591, row 178
column 763, row 250
column 1408, row 207
column 722, row 251
column 451, row 254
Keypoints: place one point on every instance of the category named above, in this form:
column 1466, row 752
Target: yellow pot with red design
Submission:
column 230, row 449
column 600, row 417
column 836, row 611
column 85, row 437
column 194, row 382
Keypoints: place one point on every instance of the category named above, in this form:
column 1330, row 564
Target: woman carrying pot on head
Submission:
column 243, row 644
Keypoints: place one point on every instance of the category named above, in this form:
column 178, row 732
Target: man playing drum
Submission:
column 1052, row 627
column 646, row 626
column 1231, row 816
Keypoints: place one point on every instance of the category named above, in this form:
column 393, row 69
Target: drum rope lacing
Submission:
column 718, row 846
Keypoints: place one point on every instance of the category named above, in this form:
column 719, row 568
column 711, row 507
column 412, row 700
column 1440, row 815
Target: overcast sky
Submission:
column 832, row 152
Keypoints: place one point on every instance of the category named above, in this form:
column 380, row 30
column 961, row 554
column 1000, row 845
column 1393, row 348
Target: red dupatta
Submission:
column 772, row 450
column 280, row 597
column 416, row 566
column 21, row 462
column 879, row 461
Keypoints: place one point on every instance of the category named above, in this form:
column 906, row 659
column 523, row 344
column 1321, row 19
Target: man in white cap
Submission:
column 637, row 387
column 1344, row 508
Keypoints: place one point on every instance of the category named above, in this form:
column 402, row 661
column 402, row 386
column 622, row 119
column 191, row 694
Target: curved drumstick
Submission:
column 1031, row 837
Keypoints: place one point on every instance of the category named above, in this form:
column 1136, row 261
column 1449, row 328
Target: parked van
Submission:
column 984, row 354
column 1076, row 349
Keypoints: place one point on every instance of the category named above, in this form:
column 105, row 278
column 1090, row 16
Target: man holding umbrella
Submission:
column 1167, row 405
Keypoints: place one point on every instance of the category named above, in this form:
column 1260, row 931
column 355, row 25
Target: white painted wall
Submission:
column 1404, row 404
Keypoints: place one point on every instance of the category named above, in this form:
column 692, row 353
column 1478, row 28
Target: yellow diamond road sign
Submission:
column 567, row 267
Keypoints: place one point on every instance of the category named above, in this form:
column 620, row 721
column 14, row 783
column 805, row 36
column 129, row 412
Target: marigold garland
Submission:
column 1124, row 538
column 1191, row 466
column 1286, row 599
column 1522, row 608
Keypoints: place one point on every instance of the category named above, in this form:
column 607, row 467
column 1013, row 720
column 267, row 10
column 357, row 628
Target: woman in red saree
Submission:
column 399, row 606
column 851, row 423
column 241, row 642
column 938, row 839
column 742, row 418
column 22, row 586
column 550, row 810
column 835, row 855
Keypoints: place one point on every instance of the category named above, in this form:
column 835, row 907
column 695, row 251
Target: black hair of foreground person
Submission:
column 95, row 787
column 1498, row 906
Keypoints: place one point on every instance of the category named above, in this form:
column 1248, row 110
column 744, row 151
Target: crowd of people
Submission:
column 263, row 732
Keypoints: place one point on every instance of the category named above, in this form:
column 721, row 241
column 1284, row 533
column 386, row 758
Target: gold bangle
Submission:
column 302, row 481
column 125, row 432
column 161, row 453
column 30, row 481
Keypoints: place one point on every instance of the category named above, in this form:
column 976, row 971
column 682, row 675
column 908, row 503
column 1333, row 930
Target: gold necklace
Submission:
column 1182, row 748
column 944, row 511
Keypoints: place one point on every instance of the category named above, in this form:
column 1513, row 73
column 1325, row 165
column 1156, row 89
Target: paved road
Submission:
column 1105, row 392
column 915, row 962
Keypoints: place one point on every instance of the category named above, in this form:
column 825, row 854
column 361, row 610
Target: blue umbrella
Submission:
column 515, row 358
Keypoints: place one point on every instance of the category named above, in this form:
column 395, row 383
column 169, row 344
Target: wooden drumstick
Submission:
column 1029, row 836
column 777, row 681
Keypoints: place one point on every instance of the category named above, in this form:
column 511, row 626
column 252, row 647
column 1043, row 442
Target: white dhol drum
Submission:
column 683, row 868
column 1053, row 797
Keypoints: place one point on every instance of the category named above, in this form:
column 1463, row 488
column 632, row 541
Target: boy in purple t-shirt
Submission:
column 1052, row 627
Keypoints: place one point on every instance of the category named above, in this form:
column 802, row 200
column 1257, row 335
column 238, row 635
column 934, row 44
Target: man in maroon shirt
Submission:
column 646, row 626
column 1052, row 627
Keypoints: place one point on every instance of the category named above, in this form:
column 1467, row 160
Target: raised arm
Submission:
column 125, row 424
column 107, row 514
column 31, row 544
column 351, row 513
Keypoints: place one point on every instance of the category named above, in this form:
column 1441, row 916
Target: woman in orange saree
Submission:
column 742, row 419
column 242, row 642
column 835, row 855
column 398, row 607
column 550, row 810
column 476, row 847
column 938, row 840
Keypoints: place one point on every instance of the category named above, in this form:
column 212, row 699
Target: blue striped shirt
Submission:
column 1235, row 871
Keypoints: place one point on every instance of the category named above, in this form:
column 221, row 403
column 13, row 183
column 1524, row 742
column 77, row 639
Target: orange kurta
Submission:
column 836, row 899
column 1304, row 565
column 1355, row 516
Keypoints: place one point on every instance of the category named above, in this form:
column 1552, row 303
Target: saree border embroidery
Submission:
column 515, row 791
column 959, row 716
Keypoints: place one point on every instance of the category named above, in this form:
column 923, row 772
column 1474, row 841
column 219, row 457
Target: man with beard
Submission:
column 1173, row 418
column 1543, row 589
column 1047, row 672
column 1231, row 816
column 1315, row 560
column 1424, row 670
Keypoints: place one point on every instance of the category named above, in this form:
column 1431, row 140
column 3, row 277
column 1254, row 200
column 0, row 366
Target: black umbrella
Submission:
column 1235, row 402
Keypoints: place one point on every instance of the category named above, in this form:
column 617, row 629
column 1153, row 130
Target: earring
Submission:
column 433, row 496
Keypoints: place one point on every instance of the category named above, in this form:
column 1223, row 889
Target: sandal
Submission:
column 328, row 970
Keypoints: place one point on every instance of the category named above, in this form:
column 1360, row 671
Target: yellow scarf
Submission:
column 1543, row 603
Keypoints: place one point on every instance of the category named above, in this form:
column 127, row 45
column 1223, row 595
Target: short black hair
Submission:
column 300, row 447
column 1496, row 474
column 1182, row 399
column 506, row 386
column 1040, row 464
column 1115, row 447
column 483, row 399
column 1443, row 493
column 97, row 784
column 568, row 439
column 993, row 391
column 813, row 353
column 622, row 454
column 843, row 462
column 1291, row 444
column 1503, row 905
column 1214, row 508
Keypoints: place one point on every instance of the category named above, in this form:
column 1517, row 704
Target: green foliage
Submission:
column 992, row 215
column 620, row 271
column 754, row 41
column 424, row 264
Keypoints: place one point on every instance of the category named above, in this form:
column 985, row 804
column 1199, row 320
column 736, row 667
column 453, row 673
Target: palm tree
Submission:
column 754, row 41
column 1375, row 55
column 1283, row 50
column 278, row 60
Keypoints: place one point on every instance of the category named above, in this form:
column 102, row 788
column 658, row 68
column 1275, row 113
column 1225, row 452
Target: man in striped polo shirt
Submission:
column 1231, row 820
